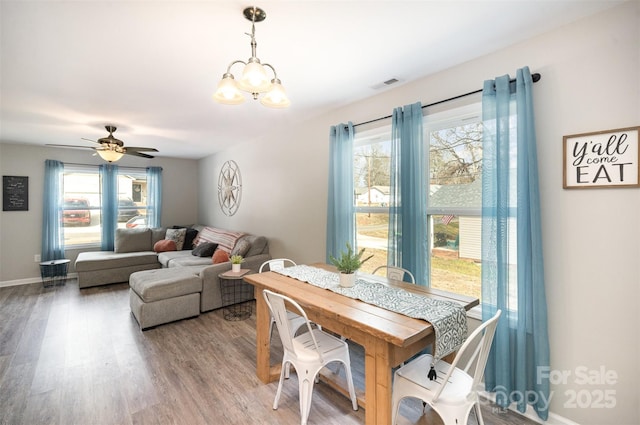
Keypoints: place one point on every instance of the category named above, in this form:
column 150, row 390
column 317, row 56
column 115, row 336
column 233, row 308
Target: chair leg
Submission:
column 352, row 390
column 279, row 391
column 305, row 394
column 476, row 408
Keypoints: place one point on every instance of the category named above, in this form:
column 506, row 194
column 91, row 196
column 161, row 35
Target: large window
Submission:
column 81, row 210
column 371, row 182
column 454, row 153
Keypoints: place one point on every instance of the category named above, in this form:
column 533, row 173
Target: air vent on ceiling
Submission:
column 386, row 83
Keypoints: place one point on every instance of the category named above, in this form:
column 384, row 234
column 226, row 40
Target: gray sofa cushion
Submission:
column 105, row 260
column 133, row 240
column 258, row 245
column 158, row 234
column 191, row 260
column 166, row 259
column 161, row 284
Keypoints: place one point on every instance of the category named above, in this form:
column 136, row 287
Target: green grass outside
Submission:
column 463, row 267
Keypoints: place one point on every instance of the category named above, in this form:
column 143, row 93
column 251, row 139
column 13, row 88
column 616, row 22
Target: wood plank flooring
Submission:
column 78, row 357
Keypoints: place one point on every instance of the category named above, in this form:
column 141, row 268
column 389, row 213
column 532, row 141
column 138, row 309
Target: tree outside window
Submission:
column 454, row 198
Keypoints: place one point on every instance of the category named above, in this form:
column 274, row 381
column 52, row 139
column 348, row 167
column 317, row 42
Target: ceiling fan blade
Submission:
column 139, row 149
column 88, row 140
column 140, row 154
column 70, row 146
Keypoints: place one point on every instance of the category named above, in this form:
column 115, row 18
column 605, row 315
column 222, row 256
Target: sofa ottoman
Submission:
column 164, row 295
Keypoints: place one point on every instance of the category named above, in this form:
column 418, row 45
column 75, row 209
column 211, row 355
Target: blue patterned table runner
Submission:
column 449, row 319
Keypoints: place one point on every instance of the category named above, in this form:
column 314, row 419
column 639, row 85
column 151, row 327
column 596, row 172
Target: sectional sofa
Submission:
column 174, row 284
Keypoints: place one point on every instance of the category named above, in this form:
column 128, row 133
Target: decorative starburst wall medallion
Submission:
column 229, row 188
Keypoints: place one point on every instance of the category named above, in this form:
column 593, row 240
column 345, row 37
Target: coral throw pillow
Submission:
column 165, row 245
column 220, row 256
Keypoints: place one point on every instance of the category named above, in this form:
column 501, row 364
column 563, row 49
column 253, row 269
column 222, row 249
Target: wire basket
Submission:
column 236, row 299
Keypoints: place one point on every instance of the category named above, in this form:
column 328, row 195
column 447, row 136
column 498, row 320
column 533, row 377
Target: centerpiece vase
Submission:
column 347, row 280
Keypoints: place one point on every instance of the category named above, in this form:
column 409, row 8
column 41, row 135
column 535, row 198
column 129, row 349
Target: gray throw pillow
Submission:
column 241, row 248
column 205, row 249
column 133, row 240
column 258, row 245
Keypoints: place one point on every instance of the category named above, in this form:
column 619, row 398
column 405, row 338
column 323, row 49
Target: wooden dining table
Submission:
column 388, row 338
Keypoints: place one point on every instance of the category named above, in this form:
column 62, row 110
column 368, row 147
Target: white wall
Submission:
column 20, row 231
column 590, row 82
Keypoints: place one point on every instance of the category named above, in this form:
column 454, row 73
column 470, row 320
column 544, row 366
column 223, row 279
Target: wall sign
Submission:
column 602, row 159
column 15, row 193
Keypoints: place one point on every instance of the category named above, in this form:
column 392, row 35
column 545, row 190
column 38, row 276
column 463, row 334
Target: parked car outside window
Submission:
column 76, row 211
column 127, row 209
column 137, row 221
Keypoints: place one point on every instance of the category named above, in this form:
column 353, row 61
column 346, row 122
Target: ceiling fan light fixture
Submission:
column 110, row 154
column 276, row 97
column 255, row 78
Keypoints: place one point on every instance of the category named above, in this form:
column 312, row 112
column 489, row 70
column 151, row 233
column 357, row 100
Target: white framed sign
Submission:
column 602, row 159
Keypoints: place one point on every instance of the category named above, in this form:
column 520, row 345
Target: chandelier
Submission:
column 255, row 79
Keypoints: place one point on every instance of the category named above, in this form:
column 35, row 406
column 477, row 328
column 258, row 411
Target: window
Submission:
column 81, row 210
column 372, row 164
column 454, row 141
column 454, row 202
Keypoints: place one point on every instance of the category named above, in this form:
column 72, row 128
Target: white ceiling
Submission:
column 151, row 67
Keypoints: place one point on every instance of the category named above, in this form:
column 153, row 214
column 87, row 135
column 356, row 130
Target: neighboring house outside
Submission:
column 375, row 195
column 462, row 196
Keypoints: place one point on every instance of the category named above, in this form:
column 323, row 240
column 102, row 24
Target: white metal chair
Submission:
column 296, row 320
column 454, row 392
column 308, row 352
column 396, row 273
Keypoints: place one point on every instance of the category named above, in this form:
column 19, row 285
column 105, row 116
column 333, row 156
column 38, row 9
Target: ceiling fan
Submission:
column 112, row 149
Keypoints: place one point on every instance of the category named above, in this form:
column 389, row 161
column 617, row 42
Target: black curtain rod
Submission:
column 535, row 77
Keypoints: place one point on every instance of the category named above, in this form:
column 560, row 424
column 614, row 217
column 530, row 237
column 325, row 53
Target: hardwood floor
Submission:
column 78, row 357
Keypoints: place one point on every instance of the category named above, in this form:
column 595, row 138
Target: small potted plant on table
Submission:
column 347, row 263
column 236, row 263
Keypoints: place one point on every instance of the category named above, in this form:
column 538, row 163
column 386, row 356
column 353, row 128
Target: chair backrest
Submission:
column 276, row 304
column 481, row 339
column 396, row 273
column 277, row 264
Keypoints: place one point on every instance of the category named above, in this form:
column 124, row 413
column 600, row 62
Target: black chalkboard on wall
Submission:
column 15, row 193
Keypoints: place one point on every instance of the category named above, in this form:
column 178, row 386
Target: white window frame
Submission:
column 139, row 174
column 434, row 121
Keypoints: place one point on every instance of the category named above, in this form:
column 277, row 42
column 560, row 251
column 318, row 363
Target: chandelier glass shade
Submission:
column 254, row 78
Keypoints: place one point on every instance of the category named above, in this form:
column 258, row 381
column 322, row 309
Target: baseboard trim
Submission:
column 30, row 280
column 530, row 413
